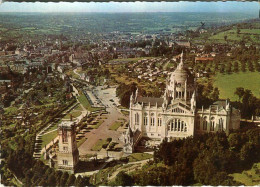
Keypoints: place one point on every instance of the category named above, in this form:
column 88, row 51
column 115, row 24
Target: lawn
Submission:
column 97, row 125
column 227, row 84
column 99, row 144
column 115, row 125
column 84, row 101
column 81, row 141
column 250, row 177
column 139, row 156
column 54, row 126
column 74, row 114
column 47, row 138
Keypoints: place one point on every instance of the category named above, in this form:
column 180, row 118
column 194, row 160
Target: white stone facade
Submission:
column 175, row 114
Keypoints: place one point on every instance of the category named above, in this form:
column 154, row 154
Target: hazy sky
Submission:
column 252, row 7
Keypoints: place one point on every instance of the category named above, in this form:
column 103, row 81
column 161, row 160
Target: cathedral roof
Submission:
column 151, row 100
column 181, row 73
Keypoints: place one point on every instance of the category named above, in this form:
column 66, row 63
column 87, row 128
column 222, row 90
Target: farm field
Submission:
column 227, row 84
column 232, row 35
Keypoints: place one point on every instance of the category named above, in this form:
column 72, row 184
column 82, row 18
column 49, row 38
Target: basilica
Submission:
column 175, row 114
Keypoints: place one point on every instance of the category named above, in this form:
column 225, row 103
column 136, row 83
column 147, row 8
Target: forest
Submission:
column 207, row 159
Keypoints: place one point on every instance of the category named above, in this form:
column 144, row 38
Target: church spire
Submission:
column 180, row 66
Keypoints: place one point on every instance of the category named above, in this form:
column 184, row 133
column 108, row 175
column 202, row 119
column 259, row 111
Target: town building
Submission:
column 175, row 115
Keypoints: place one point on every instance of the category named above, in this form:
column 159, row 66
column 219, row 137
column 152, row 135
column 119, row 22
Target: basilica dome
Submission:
column 181, row 74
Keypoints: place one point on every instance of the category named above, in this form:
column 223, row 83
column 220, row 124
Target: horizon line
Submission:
column 134, row 12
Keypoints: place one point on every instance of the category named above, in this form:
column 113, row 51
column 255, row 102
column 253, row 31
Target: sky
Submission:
column 231, row 6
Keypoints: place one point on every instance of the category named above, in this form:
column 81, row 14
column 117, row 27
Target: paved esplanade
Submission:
column 103, row 131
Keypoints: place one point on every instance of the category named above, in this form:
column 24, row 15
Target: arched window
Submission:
column 220, row 124
column 136, row 119
column 145, row 119
column 182, row 126
column 159, row 123
column 152, row 119
column 212, row 124
column 205, row 123
column 177, row 125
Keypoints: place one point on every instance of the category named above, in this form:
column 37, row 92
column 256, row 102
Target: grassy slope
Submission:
column 84, row 101
column 227, row 84
column 250, row 177
column 139, row 156
column 48, row 138
column 233, row 36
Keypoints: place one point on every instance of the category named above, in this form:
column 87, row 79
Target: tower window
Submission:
column 205, row 123
column 64, row 136
column 65, row 162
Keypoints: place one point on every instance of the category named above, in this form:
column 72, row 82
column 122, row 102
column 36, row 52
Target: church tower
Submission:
column 68, row 155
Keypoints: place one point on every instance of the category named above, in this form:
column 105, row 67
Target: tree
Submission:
column 215, row 94
column 236, row 66
column 225, row 37
column 246, row 152
column 234, row 141
column 79, row 181
column 238, row 31
column 64, row 178
column 239, row 92
column 52, row 180
column 243, row 66
column 122, row 179
column 71, row 180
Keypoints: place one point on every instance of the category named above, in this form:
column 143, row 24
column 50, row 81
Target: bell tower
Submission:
column 68, row 154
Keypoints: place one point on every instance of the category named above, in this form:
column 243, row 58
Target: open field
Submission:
column 227, row 84
column 232, row 35
column 250, row 177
